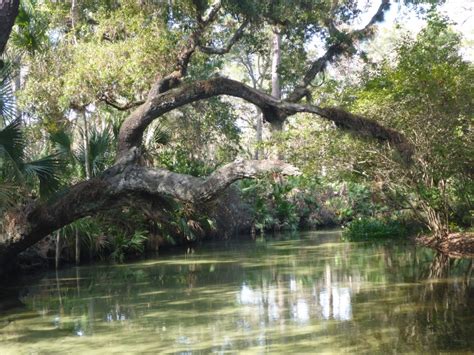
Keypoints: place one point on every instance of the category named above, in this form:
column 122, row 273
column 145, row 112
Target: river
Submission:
column 300, row 293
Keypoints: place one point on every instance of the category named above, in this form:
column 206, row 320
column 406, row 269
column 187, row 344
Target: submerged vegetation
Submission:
column 123, row 124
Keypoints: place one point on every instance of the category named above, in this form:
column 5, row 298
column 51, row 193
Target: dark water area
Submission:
column 305, row 293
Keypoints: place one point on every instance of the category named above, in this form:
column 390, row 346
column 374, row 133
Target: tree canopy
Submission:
column 126, row 100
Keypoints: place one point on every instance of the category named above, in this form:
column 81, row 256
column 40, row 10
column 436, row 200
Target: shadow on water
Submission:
column 9, row 299
column 298, row 293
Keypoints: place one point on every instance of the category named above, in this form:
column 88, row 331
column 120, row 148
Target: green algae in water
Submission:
column 311, row 294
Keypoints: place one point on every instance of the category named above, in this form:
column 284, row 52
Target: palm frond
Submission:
column 161, row 135
column 116, row 124
column 62, row 143
column 12, row 142
column 32, row 28
column 7, row 98
column 100, row 151
column 47, row 171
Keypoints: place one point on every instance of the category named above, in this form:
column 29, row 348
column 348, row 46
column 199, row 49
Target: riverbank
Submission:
column 455, row 245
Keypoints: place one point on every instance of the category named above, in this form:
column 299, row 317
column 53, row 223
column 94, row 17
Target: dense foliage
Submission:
column 425, row 93
column 76, row 70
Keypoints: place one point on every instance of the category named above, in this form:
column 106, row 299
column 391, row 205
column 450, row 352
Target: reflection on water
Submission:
column 311, row 294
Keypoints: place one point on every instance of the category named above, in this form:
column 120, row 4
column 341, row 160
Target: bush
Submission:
column 274, row 203
column 372, row 229
column 123, row 244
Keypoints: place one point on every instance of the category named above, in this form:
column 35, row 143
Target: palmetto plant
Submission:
column 31, row 28
column 16, row 168
column 101, row 149
column 7, row 102
column 100, row 155
column 19, row 171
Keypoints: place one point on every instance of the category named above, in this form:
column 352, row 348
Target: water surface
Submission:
column 308, row 293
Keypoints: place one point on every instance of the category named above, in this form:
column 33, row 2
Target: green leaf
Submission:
column 47, row 170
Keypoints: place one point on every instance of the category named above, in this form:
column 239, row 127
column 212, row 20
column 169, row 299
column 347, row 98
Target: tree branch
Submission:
column 191, row 189
column 8, row 13
column 336, row 49
column 35, row 221
column 121, row 107
column 378, row 17
column 181, row 67
column 223, row 50
column 131, row 132
column 206, row 20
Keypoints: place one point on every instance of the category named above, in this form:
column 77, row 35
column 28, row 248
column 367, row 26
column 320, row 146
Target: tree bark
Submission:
column 273, row 110
column 8, row 13
column 85, row 140
column 39, row 219
column 74, row 17
column 256, row 76
column 277, row 125
column 58, row 249
column 259, row 135
column 276, row 61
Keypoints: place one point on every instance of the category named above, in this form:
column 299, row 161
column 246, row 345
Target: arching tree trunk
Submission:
column 33, row 222
column 37, row 219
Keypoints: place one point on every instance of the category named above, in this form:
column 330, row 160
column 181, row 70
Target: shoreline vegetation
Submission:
column 128, row 127
column 455, row 245
column 220, row 139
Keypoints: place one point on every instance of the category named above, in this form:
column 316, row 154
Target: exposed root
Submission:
column 455, row 245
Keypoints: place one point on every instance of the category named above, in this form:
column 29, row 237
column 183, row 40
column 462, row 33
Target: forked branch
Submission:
column 336, row 49
column 228, row 46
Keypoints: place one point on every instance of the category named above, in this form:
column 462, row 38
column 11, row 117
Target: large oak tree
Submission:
column 129, row 177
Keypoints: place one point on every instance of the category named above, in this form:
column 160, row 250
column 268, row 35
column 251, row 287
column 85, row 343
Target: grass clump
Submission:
column 374, row 229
